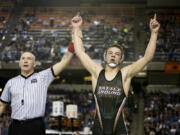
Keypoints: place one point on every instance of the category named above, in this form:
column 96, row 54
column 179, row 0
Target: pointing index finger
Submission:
column 154, row 16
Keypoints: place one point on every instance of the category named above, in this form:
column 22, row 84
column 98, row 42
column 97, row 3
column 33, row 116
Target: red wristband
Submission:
column 71, row 47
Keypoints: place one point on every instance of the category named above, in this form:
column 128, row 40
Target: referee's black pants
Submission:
column 27, row 127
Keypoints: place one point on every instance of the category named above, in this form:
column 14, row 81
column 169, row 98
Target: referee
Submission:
column 27, row 94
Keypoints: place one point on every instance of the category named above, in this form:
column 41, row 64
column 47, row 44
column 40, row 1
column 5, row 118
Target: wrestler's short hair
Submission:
column 116, row 45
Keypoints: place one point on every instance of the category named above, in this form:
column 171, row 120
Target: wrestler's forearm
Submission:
column 150, row 50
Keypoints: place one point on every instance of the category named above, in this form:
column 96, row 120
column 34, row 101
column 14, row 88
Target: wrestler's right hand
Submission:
column 77, row 21
column 76, row 24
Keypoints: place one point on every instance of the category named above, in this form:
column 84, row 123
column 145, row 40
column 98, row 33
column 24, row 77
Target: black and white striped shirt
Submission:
column 27, row 95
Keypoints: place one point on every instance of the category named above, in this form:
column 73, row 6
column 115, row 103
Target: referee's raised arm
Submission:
column 58, row 67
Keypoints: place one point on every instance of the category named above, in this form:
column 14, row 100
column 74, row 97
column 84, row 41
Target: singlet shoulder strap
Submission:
column 101, row 74
column 120, row 74
column 100, row 77
column 120, row 77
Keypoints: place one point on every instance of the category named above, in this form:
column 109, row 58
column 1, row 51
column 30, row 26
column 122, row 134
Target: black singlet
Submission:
column 110, row 100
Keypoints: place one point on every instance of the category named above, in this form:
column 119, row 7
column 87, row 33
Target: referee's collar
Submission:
column 25, row 77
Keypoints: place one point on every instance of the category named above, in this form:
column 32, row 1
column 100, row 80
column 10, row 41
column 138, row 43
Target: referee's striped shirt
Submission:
column 27, row 95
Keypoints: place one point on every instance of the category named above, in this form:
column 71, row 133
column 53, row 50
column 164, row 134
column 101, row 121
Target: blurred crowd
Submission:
column 48, row 42
column 162, row 114
column 46, row 31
